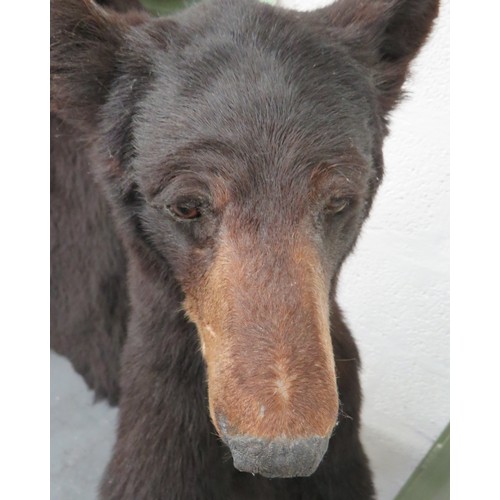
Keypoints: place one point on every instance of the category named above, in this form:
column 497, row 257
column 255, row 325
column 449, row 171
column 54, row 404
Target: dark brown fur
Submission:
column 272, row 123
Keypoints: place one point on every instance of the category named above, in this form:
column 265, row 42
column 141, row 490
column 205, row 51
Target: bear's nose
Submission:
column 279, row 457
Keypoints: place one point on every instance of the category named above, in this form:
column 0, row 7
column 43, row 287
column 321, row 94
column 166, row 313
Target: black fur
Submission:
column 227, row 89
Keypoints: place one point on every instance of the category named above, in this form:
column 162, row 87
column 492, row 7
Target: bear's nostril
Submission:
column 280, row 457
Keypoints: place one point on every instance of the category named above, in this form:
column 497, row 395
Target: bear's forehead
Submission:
column 266, row 74
column 254, row 96
column 252, row 112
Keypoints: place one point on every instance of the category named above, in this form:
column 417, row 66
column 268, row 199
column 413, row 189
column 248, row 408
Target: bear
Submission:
column 210, row 173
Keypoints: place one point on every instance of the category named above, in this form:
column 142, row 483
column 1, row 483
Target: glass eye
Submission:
column 185, row 211
column 337, row 205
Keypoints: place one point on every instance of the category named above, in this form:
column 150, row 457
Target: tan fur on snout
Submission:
column 263, row 317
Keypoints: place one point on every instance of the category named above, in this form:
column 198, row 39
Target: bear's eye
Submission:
column 337, row 205
column 185, row 211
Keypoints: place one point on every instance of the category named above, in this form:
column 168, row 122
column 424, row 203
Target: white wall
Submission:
column 394, row 288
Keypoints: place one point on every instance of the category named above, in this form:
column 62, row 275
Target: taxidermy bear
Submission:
column 210, row 173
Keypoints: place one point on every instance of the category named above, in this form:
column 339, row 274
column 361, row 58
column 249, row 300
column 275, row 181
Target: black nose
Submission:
column 279, row 457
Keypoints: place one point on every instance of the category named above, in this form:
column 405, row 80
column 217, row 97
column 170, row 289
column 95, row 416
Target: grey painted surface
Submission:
column 82, row 434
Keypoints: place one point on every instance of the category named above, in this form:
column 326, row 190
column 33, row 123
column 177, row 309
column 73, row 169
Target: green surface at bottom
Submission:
column 431, row 479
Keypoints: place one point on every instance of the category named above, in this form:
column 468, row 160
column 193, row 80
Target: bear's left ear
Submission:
column 385, row 35
column 88, row 43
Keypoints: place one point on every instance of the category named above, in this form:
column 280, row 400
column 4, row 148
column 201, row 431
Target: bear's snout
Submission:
column 265, row 335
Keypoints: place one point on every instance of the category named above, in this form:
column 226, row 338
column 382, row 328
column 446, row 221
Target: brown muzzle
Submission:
column 263, row 318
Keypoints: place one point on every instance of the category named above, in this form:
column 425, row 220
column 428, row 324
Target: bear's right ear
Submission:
column 384, row 35
column 87, row 45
